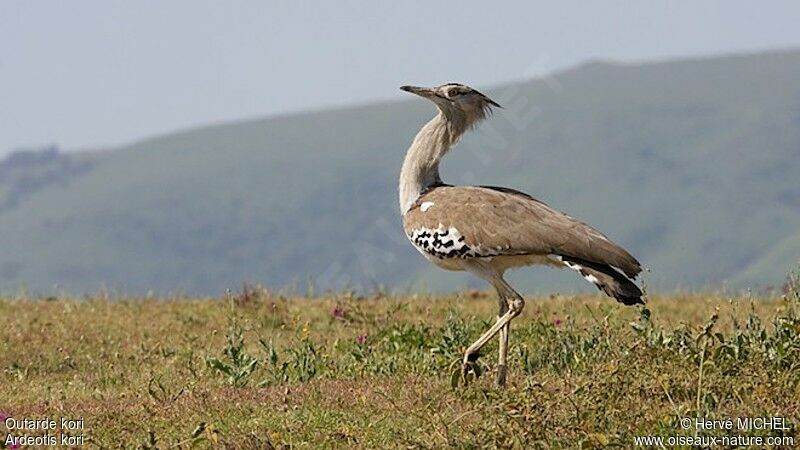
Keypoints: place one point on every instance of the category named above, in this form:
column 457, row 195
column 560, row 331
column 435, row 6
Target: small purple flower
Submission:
column 557, row 322
column 536, row 311
column 361, row 339
column 13, row 445
column 3, row 417
column 337, row 312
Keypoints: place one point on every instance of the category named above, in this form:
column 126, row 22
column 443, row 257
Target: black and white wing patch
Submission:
column 445, row 243
column 605, row 278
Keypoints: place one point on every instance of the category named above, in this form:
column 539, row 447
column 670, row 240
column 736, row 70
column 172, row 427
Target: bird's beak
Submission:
column 494, row 103
column 421, row 91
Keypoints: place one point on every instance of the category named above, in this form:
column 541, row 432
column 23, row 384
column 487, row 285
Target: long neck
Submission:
column 421, row 165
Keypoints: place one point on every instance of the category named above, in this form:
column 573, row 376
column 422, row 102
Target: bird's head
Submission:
column 456, row 101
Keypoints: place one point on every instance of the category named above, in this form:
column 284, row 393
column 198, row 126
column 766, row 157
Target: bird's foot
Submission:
column 471, row 357
column 464, row 370
column 470, row 369
column 501, row 375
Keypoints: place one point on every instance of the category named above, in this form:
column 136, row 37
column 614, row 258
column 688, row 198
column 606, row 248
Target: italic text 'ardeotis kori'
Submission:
column 487, row 230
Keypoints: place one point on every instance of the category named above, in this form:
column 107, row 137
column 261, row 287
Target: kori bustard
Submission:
column 487, row 230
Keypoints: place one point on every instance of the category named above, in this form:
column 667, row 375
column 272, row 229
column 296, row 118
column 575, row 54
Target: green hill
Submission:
column 692, row 165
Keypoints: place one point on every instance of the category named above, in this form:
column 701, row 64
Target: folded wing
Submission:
column 485, row 221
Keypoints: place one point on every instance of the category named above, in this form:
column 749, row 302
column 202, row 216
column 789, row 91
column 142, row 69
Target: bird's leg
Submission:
column 514, row 309
column 504, row 335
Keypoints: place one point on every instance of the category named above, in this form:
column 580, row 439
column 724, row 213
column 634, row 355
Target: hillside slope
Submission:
column 692, row 165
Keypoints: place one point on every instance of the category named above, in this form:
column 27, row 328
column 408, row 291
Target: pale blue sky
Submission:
column 96, row 73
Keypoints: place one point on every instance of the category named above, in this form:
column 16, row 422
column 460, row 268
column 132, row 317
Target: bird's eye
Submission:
column 454, row 93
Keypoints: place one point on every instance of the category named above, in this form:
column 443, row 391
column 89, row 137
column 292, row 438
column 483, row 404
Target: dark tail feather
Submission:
column 607, row 279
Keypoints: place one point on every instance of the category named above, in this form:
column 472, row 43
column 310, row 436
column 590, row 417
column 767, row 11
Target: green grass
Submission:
column 257, row 370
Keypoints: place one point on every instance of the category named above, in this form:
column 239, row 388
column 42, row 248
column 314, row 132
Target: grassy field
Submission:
column 259, row 370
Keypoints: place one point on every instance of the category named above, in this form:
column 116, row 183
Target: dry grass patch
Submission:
column 256, row 370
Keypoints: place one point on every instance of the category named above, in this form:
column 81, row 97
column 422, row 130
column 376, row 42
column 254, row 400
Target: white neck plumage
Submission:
column 421, row 165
